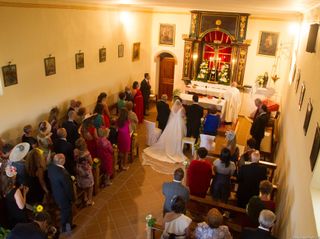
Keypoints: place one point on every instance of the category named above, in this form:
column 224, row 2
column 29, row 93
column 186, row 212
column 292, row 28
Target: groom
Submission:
column 163, row 111
column 194, row 115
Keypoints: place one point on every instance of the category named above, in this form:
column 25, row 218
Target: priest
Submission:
column 233, row 103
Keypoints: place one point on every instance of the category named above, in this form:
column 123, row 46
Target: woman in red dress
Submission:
column 102, row 99
column 138, row 101
column 89, row 133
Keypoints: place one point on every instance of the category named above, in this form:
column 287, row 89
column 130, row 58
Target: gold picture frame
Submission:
column 167, row 34
column 10, row 76
column 79, row 57
column 50, row 65
column 268, row 43
column 136, row 51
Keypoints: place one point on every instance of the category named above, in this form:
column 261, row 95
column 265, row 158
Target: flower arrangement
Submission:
column 204, row 70
column 260, row 80
column 4, row 232
column 96, row 162
column 150, row 220
column 224, row 74
column 176, row 92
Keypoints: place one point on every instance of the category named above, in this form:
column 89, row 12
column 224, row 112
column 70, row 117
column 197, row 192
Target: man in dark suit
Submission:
column 145, row 88
column 249, row 179
column 174, row 188
column 62, row 146
column 62, row 190
column 259, row 124
column 194, row 115
column 163, row 111
column 71, row 127
column 266, row 221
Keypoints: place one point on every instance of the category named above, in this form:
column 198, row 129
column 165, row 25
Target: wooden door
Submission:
column 166, row 76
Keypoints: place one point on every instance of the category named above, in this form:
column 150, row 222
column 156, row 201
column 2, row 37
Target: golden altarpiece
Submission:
column 216, row 49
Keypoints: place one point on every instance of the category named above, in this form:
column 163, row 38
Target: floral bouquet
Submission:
column 151, row 221
column 224, row 74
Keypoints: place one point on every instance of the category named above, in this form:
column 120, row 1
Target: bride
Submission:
column 168, row 148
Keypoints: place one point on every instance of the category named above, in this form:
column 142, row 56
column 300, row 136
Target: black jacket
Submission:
column 145, row 88
column 258, row 126
column 163, row 114
column 66, row 148
column 249, row 233
column 194, row 114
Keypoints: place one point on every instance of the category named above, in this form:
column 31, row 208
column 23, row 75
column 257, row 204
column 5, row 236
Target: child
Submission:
column 27, row 137
column 113, row 134
column 121, row 102
column 105, row 154
column 124, row 140
column 84, row 170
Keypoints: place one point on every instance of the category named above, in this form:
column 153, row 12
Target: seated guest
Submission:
column 62, row 190
column 44, row 138
column 266, row 221
column 249, row 149
column 15, row 197
column 176, row 224
column 84, row 170
column 213, row 228
column 62, row 146
column 128, row 93
column 81, row 114
column 223, row 169
column 258, row 125
column 90, row 134
column 102, row 99
column 249, row 178
column 113, row 135
column 54, row 122
column 121, row 101
column 174, row 188
column 36, row 167
column 132, row 117
column 232, row 145
column 74, row 105
column 163, row 112
column 28, row 138
column 71, row 127
column 98, row 120
column 138, row 106
column 211, row 122
column 258, row 203
column 16, row 157
column 199, row 174
column 105, row 154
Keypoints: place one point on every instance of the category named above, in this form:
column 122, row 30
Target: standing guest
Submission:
column 223, row 169
column 258, row 104
column 249, row 149
column 138, row 106
column 121, row 101
column 194, row 114
column 124, row 140
column 98, row 120
column 233, row 103
column 266, row 221
column 258, row 126
column 62, row 190
column 249, row 178
column 105, row 154
column 84, row 170
column 74, row 105
column 90, row 134
column 44, row 138
column 199, row 174
column 133, row 118
column 113, row 134
column 257, row 203
column 129, row 96
column 102, row 99
column 169, row 190
column 15, row 197
column 146, row 90
column 28, row 138
column 211, row 122
column 213, row 228
column 71, row 127
column 176, row 224
column 163, row 112
column 62, row 146
column 81, row 114
column 36, row 169
column 54, row 122
column 232, row 145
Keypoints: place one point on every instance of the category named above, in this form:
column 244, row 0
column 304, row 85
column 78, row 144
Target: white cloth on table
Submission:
column 233, row 103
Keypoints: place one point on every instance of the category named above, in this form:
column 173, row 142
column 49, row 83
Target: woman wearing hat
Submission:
column 15, row 198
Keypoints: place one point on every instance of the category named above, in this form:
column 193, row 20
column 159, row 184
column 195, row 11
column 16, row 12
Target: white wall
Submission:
column 296, row 181
column 29, row 35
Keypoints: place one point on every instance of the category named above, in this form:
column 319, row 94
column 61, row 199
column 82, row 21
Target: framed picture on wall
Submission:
column 301, row 97
column 298, row 80
column 167, row 34
column 120, row 50
column 136, row 51
column 79, row 60
column 50, row 66
column 308, row 117
column 102, row 54
column 315, row 148
column 9, row 73
column 268, row 43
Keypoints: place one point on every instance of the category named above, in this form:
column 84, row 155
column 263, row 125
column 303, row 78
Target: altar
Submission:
column 207, row 89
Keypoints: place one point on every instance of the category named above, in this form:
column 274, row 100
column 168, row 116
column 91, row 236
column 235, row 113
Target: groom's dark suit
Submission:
column 163, row 114
column 194, row 115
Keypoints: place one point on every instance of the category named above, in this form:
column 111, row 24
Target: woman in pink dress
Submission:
column 124, row 140
column 105, row 154
column 138, row 101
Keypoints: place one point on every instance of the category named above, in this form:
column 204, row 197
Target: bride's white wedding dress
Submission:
column 168, row 148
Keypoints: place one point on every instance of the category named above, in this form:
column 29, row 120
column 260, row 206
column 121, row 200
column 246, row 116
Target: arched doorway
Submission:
column 166, row 74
